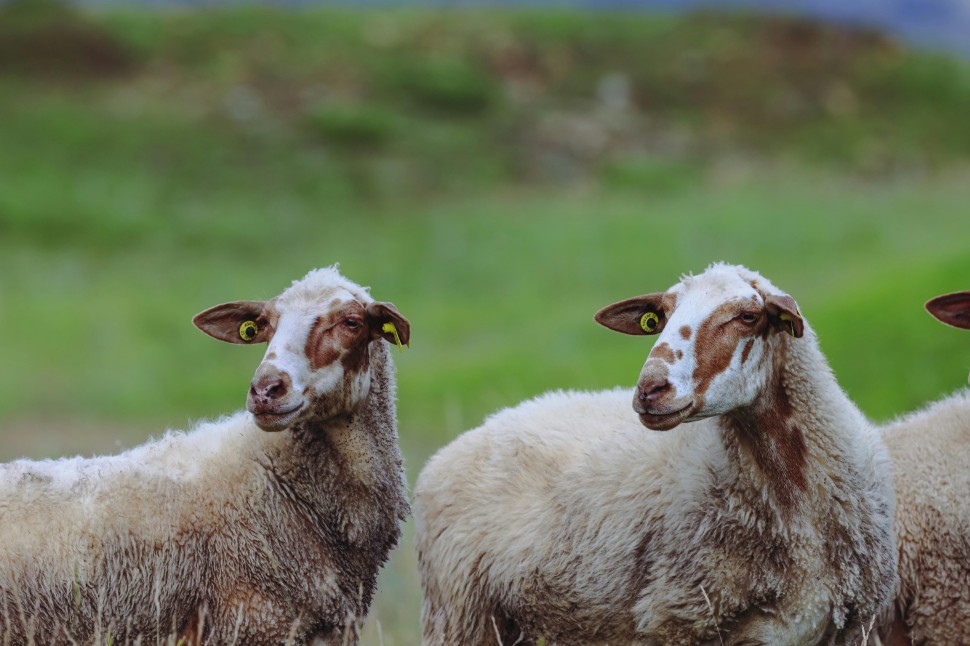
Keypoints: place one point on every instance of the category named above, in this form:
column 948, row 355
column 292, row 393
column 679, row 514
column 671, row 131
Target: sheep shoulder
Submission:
column 575, row 462
column 136, row 489
column 930, row 449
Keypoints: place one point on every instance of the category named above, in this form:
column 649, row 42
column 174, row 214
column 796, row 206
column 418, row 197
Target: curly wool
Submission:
column 223, row 534
column 564, row 519
column 930, row 451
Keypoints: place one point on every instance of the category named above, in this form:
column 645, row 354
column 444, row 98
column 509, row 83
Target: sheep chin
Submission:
column 273, row 422
column 666, row 421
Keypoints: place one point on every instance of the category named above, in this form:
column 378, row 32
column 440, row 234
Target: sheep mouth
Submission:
column 667, row 420
column 270, row 419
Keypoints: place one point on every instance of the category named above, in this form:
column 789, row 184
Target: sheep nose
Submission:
column 650, row 390
column 269, row 388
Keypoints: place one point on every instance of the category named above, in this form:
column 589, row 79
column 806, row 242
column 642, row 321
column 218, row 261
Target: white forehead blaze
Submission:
column 285, row 352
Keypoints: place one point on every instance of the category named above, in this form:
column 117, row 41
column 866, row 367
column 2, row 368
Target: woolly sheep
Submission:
column 768, row 520
column 265, row 527
column 930, row 450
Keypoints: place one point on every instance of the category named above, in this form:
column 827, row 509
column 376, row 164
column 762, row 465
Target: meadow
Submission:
column 499, row 176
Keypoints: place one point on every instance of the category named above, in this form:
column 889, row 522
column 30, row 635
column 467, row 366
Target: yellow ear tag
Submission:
column 389, row 327
column 248, row 330
column 785, row 317
column 649, row 322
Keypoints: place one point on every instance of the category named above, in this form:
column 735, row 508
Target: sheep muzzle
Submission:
column 271, row 399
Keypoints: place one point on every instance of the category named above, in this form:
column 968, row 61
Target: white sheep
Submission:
column 930, row 450
column 768, row 520
column 265, row 527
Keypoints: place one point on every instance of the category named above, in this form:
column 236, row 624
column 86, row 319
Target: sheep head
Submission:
column 716, row 337
column 319, row 334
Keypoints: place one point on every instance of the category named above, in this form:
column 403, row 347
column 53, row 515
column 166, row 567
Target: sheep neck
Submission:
column 349, row 461
column 779, row 444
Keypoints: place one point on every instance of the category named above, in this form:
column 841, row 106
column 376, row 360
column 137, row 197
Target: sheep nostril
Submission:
column 654, row 389
column 275, row 390
column 268, row 391
column 269, row 386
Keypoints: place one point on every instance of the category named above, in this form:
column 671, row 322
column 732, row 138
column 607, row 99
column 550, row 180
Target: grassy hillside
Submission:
column 499, row 176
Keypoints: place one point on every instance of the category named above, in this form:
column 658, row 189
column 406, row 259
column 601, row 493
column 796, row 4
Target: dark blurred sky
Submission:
column 935, row 24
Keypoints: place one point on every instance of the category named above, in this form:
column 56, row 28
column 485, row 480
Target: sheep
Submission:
column 767, row 520
column 264, row 527
column 930, row 450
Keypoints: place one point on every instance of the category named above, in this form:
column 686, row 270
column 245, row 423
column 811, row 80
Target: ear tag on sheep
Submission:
column 785, row 317
column 649, row 322
column 248, row 330
column 389, row 327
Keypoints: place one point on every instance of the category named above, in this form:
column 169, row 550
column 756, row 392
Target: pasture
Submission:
column 228, row 152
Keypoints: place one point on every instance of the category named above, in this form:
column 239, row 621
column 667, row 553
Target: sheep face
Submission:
column 716, row 337
column 319, row 334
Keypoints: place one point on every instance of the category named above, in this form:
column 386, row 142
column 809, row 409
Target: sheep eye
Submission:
column 353, row 324
column 649, row 322
column 248, row 330
column 748, row 318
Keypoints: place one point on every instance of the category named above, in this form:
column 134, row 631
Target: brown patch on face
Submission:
column 685, row 332
column 714, row 346
column 320, row 349
column 663, row 352
column 746, row 350
column 680, row 355
column 333, row 335
column 357, row 360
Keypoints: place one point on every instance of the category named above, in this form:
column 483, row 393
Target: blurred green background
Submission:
column 499, row 175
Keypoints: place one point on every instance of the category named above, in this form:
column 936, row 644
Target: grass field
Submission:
column 220, row 155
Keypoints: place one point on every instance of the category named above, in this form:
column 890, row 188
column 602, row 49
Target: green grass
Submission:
column 455, row 162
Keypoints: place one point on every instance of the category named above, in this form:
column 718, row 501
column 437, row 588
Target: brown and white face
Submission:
column 317, row 363
column 714, row 350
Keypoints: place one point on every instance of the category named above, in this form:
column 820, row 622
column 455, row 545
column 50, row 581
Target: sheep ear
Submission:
column 953, row 309
column 784, row 314
column 628, row 316
column 238, row 322
column 388, row 323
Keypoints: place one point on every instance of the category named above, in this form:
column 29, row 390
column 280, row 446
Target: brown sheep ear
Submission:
column 784, row 314
column 952, row 309
column 640, row 315
column 388, row 323
column 239, row 322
